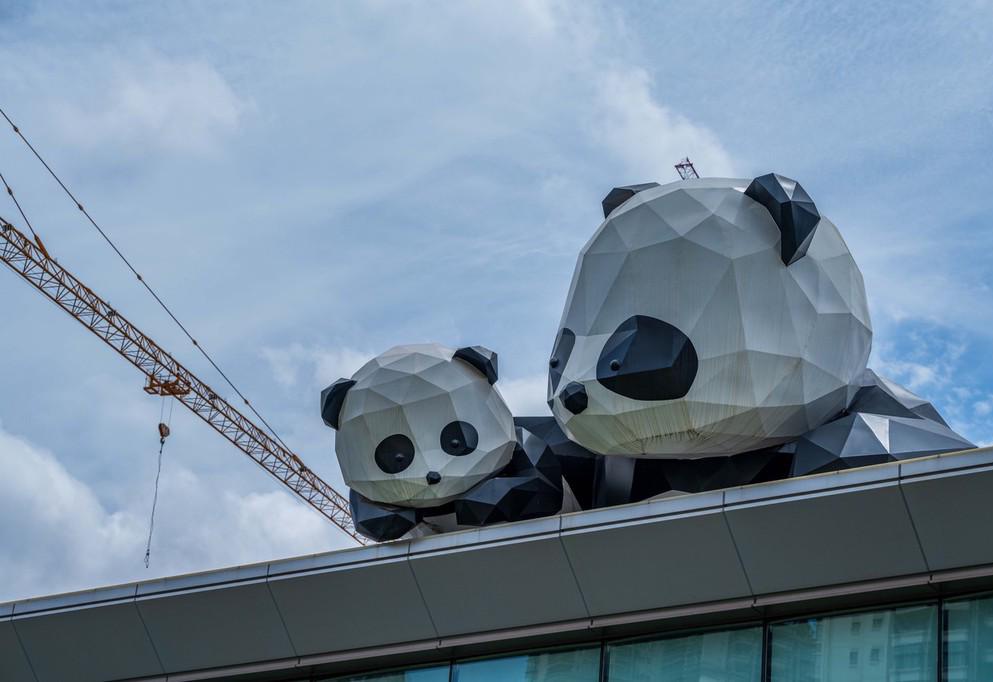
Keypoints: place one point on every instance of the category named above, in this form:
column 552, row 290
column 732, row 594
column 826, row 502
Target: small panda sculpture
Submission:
column 425, row 439
column 707, row 318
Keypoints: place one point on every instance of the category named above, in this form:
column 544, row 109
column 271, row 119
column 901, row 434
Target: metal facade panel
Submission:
column 14, row 666
column 945, row 509
column 492, row 586
column 350, row 607
column 827, row 538
column 656, row 563
column 215, row 626
column 106, row 642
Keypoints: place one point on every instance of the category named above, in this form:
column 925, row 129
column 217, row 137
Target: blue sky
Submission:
column 308, row 184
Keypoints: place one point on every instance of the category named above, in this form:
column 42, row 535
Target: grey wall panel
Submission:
column 215, row 626
column 350, row 607
column 14, row 666
column 678, row 559
column 826, row 538
column 492, row 586
column 943, row 506
column 106, row 642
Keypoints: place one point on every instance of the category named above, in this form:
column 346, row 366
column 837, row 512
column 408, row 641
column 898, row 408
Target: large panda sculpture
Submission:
column 426, row 443
column 708, row 317
column 716, row 334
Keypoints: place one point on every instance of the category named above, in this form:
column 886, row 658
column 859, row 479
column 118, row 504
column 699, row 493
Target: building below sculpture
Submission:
column 876, row 573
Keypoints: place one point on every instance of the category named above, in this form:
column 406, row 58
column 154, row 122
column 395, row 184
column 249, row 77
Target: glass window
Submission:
column 576, row 665
column 902, row 647
column 969, row 639
column 439, row 674
column 726, row 656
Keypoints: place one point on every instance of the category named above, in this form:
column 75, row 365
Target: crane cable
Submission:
column 163, row 434
column 161, row 303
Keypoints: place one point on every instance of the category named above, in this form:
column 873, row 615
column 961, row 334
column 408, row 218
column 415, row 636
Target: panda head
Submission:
column 418, row 426
column 708, row 317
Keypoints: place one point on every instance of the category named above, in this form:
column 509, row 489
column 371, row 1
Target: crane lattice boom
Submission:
column 166, row 376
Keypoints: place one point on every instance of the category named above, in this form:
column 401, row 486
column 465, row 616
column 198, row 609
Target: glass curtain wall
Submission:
column 895, row 645
column 725, row 656
column 899, row 644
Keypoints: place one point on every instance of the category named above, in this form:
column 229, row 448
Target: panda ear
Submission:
column 332, row 398
column 483, row 359
column 619, row 195
column 792, row 209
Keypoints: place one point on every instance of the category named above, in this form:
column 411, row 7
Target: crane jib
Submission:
column 166, row 376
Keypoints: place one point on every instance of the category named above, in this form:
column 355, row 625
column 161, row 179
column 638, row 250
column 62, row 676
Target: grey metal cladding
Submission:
column 778, row 348
column 107, row 642
column 684, row 558
column 353, row 606
column 474, row 589
column 828, row 535
column 196, row 629
column 14, row 665
column 943, row 504
column 792, row 209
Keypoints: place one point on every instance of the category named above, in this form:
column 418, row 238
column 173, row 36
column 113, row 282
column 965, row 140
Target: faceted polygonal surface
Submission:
column 778, row 347
column 886, row 423
column 380, row 523
column 398, row 425
column 792, row 209
column 578, row 465
column 619, row 195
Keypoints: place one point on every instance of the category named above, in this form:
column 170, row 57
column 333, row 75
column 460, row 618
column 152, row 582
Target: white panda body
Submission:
column 773, row 349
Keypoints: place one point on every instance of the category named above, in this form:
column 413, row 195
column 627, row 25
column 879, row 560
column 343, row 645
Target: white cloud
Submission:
column 151, row 102
column 525, row 395
column 57, row 536
column 648, row 137
column 321, row 366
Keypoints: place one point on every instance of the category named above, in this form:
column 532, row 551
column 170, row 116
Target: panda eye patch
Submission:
column 394, row 453
column 459, row 438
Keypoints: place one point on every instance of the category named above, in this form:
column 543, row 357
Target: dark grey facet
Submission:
column 621, row 480
column 482, row 359
column 560, row 356
column 577, row 464
column 530, row 487
column 394, row 453
column 791, row 208
column 379, row 522
column 619, row 195
column 574, row 397
column 459, row 438
column 332, row 398
column 880, row 396
column 647, row 359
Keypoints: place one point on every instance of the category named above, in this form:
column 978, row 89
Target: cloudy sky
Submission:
column 308, row 184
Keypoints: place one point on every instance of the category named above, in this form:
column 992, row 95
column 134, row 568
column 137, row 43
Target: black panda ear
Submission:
column 332, row 398
column 483, row 359
column 619, row 195
column 792, row 209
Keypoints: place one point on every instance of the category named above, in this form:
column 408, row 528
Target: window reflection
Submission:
column 727, row 656
column 901, row 646
column 576, row 665
column 969, row 640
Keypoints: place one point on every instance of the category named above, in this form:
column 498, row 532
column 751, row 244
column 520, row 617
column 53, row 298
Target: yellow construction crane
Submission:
column 165, row 376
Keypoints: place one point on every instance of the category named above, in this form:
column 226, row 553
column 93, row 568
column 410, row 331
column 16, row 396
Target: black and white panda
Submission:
column 426, row 443
column 707, row 318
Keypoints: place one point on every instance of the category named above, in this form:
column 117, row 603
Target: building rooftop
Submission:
column 878, row 532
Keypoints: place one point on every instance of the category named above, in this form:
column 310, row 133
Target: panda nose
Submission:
column 433, row 477
column 574, row 397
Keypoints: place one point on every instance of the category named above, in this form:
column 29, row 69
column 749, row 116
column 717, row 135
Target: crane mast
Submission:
column 166, row 376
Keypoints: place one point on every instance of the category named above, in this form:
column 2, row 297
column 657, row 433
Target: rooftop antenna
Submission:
column 686, row 170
